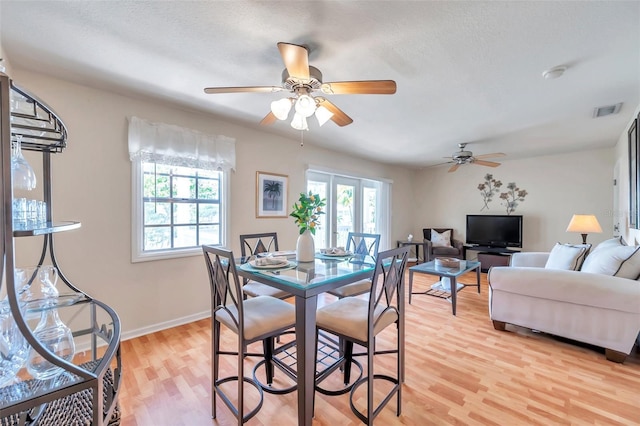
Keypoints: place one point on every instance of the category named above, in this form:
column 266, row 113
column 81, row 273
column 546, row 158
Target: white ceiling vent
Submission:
column 606, row 110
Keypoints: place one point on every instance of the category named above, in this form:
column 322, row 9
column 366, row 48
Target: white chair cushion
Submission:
column 353, row 289
column 349, row 316
column 440, row 239
column 255, row 289
column 262, row 316
column 567, row 256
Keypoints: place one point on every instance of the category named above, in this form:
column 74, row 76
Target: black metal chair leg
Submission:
column 348, row 357
column 215, row 363
column 268, row 346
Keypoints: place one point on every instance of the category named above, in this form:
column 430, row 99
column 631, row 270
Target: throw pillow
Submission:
column 567, row 256
column 441, row 239
column 612, row 242
column 630, row 268
column 608, row 260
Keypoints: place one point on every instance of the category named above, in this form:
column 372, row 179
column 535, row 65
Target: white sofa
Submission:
column 597, row 309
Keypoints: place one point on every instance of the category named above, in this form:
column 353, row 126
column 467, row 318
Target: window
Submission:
column 353, row 204
column 179, row 195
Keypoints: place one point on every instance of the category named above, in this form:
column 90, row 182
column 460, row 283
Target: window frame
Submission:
column 383, row 207
column 138, row 254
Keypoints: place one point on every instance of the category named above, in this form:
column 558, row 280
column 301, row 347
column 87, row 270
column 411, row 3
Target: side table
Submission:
column 430, row 268
column 417, row 245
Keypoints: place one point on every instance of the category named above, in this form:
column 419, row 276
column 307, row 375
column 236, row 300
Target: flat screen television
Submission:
column 494, row 230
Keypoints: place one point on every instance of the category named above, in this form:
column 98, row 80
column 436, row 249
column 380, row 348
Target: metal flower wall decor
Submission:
column 511, row 198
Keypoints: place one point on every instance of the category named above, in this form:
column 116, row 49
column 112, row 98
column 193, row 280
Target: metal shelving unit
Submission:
column 96, row 379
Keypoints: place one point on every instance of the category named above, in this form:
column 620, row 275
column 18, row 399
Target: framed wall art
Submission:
column 271, row 194
column 633, row 174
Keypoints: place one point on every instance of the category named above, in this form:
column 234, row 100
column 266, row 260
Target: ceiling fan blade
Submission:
column 454, row 168
column 296, row 60
column 268, row 119
column 485, row 163
column 252, row 89
column 339, row 117
column 440, row 164
column 495, row 154
column 372, row 87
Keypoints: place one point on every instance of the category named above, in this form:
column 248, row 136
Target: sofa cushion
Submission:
column 445, row 251
column 615, row 260
column 440, row 239
column 611, row 242
column 567, row 256
column 574, row 287
column 631, row 267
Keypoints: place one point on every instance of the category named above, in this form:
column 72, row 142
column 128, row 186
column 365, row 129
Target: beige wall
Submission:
column 92, row 184
column 558, row 186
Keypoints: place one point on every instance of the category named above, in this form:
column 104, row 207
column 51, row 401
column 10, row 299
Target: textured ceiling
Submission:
column 466, row 71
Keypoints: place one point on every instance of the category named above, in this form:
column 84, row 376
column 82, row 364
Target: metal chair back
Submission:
column 252, row 244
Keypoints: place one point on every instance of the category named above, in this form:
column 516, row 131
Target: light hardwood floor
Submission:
column 459, row 371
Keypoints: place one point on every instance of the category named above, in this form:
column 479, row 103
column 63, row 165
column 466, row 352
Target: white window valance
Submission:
column 179, row 146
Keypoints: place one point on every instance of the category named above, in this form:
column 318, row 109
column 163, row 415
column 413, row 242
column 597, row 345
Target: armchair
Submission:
column 455, row 249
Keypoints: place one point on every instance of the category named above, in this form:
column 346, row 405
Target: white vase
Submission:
column 305, row 247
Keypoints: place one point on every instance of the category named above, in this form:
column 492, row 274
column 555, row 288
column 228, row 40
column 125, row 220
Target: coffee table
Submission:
column 430, row 268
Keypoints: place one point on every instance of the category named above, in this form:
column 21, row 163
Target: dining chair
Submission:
column 359, row 321
column 260, row 318
column 252, row 245
column 360, row 244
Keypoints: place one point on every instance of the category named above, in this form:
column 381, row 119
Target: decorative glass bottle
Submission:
column 14, row 348
column 51, row 332
column 23, row 175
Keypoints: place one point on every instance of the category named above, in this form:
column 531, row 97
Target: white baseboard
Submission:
column 83, row 344
column 165, row 325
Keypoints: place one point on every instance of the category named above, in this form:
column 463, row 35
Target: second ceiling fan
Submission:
column 303, row 80
column 466, row 157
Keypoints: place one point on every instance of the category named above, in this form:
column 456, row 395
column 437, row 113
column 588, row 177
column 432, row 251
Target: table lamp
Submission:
column 584, row 224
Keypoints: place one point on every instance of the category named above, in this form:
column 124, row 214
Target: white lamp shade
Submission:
column 299, row 122
column 305, row 106
column 584, row 224
column 281, row 108
column 323, row 115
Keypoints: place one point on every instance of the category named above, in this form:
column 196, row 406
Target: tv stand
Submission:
column 491, row 249
column 491, row 256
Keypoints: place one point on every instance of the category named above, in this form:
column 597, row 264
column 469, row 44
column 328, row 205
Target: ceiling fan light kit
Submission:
column 323, row 115
column 281, row 108
column 299, row 122
column 302, row 80
column 305, row 106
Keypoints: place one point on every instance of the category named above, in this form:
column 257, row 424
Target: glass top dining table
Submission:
column 305, row 280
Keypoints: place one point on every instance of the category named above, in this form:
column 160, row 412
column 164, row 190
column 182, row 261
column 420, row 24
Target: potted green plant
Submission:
column 306, row 212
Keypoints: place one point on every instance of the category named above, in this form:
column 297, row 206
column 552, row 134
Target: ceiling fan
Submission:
column 466, row 157
column 302, row 80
